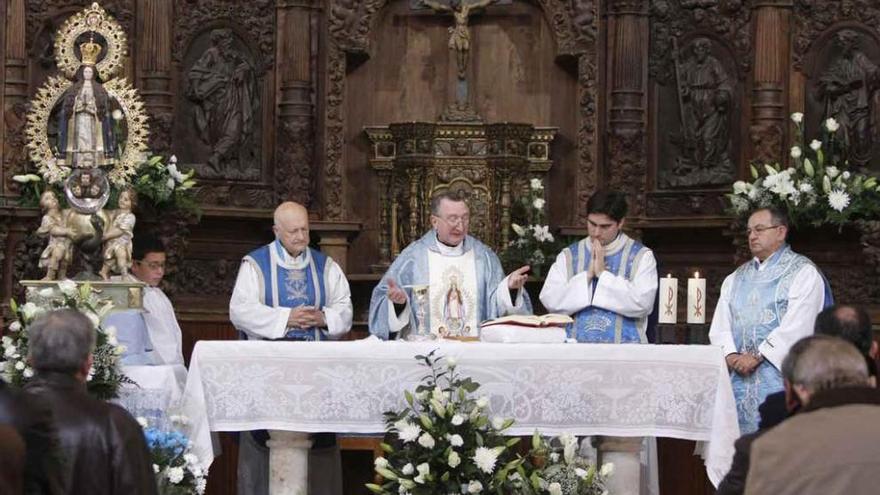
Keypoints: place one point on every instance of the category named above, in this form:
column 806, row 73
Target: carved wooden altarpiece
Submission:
column 488, row 163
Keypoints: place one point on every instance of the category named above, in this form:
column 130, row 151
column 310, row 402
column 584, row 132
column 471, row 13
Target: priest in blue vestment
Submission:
column 466, row 284
column 765, row 306
column 286, row 291
column 606, row 281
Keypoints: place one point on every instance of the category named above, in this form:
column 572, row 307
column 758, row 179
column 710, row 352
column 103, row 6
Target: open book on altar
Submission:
column 531, row 321
column 525, row 329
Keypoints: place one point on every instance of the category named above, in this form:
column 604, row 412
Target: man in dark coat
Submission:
column 102, row 449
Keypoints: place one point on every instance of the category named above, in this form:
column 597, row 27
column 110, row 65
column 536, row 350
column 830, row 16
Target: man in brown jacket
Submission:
column 831, row 445
column 101, row 448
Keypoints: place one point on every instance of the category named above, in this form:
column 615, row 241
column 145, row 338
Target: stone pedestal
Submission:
column 624, row 453
column 288, row 462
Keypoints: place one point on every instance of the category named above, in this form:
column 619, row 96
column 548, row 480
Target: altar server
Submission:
column 607, row 281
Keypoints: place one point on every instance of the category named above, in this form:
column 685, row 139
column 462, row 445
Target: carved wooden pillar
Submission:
column 155, row 55
column 768, row 124
column 15, row 87
column 587, row 177
column 296, row 129
column 154, row 69
column 628, row 28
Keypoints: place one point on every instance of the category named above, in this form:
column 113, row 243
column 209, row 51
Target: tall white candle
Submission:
column 696, row 310
column 668, row 300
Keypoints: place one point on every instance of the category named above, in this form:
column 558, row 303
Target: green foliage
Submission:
column 166, row 187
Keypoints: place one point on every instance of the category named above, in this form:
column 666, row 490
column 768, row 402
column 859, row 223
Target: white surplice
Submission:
column 630, row 298
column 258, row 320
column 162, row 326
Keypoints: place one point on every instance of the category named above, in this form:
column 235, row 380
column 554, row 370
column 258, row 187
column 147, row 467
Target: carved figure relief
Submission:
column 705, row 100
column 225, row 108
column 848, row 91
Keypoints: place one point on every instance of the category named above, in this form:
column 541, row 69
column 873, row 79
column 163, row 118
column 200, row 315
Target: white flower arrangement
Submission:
column 817, row 189
column 165, row 185
column 105, row 376
column 532, row 243
column 444, row 441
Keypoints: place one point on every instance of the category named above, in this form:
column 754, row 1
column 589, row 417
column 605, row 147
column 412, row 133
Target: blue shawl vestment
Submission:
column 411, row 268
column 289, row 287
column 758, row 302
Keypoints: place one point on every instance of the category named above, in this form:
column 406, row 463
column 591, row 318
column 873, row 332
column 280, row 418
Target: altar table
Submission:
column 621, row 390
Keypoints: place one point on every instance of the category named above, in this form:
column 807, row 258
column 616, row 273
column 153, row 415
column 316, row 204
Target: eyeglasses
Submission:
column 456, row 220
column 152, row 265
column 759, row 229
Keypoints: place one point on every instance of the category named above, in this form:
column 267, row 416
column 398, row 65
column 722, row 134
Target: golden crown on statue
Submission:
column 90, row 51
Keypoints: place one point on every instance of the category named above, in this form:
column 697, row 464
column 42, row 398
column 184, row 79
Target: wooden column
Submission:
column 628, row 66
column 154, row 69
column 15, row 87
column 769, row 119
column 297, row 26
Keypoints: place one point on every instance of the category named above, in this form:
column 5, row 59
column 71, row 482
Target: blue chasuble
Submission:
column 289, row 287
column 598, row 325
column 758, row 302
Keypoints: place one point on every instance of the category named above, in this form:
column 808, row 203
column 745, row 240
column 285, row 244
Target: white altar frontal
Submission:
column 345, row 387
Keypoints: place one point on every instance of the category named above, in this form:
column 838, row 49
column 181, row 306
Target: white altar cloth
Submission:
column 155, row 394
column 584, row 389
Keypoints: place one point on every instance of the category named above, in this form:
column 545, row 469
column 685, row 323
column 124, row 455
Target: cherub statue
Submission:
column 59, row 251
column 118, row 236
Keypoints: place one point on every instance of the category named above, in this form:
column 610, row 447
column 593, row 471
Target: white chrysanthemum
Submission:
column 538, row 203
column 805, row 187
column 846, row 175
column 796, row 152
column 407, row 432
column 175, row 475
column 797, row 117
column 457, row 419
column 426, row 440
column 408, row 469
column 831, row 124
column 554, row 488
column 474, row 487
column 28, row 373
column 536, row 185
column 456, row 440
column 838, row 199
column 15, row 326
column 19, row 365
column 485, row 459
column 454, row 459
column 815, row 144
